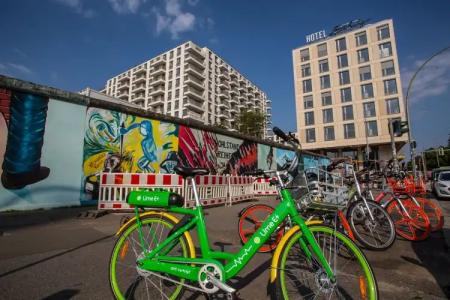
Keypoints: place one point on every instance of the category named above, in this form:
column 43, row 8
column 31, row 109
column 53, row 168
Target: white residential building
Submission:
column 190, row 82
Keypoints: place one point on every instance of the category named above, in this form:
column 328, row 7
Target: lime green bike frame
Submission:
column 157, row 260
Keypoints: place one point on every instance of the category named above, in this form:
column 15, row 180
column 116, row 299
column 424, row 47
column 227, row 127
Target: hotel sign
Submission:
column 338, row 29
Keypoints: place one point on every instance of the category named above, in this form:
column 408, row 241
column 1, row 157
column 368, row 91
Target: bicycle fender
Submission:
column 187, row 235
column 284, row 239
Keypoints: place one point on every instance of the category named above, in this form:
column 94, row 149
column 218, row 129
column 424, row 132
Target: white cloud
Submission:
column 20, row 68
column 174, row 20
column 432, row 80
column 193, row 2
column 126, row 6
column 15, row 70
column 77, row 6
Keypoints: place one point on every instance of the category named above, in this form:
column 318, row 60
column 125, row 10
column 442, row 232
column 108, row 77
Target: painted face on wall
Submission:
column 104, row 127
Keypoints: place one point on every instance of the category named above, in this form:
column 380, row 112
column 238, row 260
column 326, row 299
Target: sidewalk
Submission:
column 445, row 204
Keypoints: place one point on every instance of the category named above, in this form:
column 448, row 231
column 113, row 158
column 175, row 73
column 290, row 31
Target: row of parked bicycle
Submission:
column 345, row 198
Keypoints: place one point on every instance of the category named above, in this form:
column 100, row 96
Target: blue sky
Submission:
column 71, row 44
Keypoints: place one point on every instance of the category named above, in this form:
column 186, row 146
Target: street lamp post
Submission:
column 412, row 148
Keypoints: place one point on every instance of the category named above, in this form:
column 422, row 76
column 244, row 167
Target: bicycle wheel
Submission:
column 433, row 211
column 376, row 234
column 300, row 277
column 416, row 227
column 251, row 219
column 126, row 280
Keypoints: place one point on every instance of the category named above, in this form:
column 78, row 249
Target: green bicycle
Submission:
column 154, row 256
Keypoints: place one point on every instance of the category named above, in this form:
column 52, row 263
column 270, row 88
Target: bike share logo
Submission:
column 270, row 226
column 147, row 198
column 175, row 269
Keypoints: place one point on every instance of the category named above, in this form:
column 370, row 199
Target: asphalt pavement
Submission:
column 55, row 255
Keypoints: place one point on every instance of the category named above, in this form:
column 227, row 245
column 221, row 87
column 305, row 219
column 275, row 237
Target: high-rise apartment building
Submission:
column 347, row 88
column 192, row 83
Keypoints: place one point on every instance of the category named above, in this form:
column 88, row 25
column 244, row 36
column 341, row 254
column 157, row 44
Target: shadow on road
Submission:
column 55, row 255
column 63, row 294
column 436, row 261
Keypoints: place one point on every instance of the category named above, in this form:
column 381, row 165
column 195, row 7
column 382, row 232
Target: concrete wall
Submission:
column 85, row 136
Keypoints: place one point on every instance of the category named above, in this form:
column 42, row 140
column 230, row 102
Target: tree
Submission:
column 251, row 123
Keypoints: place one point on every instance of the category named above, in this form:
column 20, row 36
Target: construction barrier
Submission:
column 212, row 189
column 262, row 187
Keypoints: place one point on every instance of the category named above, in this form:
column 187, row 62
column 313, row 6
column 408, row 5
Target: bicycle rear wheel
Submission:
column 129, row 282
column 376, row 234
column 433, row 211
column 413, row 228
column 300, row 277
column 251, row 218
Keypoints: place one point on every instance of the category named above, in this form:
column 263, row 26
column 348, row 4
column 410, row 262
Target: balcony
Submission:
column 139, row 79
column 234, row 83
column 124, row 86
column 191, row 59
column 195, row 83
column 222, row 105
column 234, row 92
column 123, row 96
column 141, row 71
column 193, row 93
column 234, row 110
column 242, row 81
column 159, row 62
column 193, row 116
column 138, row 98
column 139, row 88
column 242, row 88
column 160, row 80
column 222, row 115
column 124, row 77
column 224, row 75
column 157, row 90
column 250, row 89
column 234, row 100
column 193, row 105
column 155, row 71
column 223, row 94
column 194, row 50
column 156, row 101
column 191, row 69
column 224, row 86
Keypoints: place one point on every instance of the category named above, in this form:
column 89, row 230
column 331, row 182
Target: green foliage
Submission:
column 251, row 123
column 432, row 156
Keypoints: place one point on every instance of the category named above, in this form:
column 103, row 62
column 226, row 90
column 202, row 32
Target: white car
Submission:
column 442, row 185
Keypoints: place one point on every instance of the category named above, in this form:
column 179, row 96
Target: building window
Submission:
column 323, row 66
column 341, row 45
column 326, row 99
column 308, row 102
column 310, row 135
column 328, row 133
column 392, row 106
column 325, row 82
column 367, row 91
column 364, row 73
column 309, row 118
column 369, row 109
column 177, row 83
column 387, row 68
column 361, row 39
column 306, row 70
column 390, row 87
column 363, row 55
column 344, row 77
column 327, row 115
column 346, row 95
column 307, row 86
column 322, row 50
column 178, row 61
column 385, row 49
column 342, row 61
column 371, row 127
column 347, row 112
column 383, row 32
column 304, row 55
column 349, row 131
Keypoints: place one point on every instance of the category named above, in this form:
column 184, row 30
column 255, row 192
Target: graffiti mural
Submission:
column 284, row 158
column 243, row 159
column 266, row 157
column 198, row 148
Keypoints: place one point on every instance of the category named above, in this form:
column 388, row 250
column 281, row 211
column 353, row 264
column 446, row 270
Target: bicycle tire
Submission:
column 251, row 218
column 357, row 282
column 416, row 228
column 433, row 211
column 363, row 228
column 121, row 254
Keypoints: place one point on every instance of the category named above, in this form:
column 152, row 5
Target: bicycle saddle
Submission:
column 190, row 172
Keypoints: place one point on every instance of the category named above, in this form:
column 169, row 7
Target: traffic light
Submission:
column 400, row 127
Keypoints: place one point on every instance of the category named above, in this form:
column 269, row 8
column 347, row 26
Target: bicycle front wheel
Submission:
column 126, row 279
column 376, row 234
column 433, row 211
column 303, row 277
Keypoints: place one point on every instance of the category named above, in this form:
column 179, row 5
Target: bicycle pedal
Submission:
column 221, row 285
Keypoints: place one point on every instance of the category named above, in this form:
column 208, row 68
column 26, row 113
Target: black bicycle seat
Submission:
column 190, row 172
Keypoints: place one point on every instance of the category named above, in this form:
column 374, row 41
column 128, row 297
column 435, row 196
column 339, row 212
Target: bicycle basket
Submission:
column 322, row 190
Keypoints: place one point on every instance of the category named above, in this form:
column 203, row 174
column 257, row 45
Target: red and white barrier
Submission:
column 114, row 187
column 212, row 189
column 262, row 187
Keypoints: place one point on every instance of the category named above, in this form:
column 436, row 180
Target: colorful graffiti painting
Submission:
column 266, row 157
column 198, row 148
column 284, row 158
column 244, row 159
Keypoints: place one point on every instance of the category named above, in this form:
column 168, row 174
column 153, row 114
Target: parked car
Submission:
column 442, row 185
column 434, row 176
